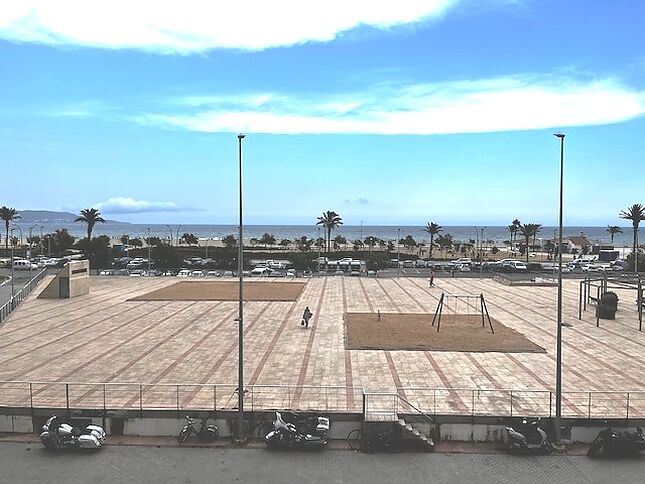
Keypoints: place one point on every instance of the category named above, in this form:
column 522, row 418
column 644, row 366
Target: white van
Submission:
column 24, row 265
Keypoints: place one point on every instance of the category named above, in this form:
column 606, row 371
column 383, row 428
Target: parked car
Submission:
column 213, row 274
column 197, row 274
column 291, row 273
column 228, row 274
column 24, row 265
column 261, row 271
column 183, row 273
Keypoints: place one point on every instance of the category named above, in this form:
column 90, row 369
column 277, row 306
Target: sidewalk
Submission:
column 447, row 447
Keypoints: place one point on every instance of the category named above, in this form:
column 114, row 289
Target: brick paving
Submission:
column 104, row 338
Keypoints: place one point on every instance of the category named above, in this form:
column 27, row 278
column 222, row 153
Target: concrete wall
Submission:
column 20, row 424
column 76, row 275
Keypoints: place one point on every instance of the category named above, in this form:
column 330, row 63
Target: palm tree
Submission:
column 432, row 229
column 536, row 229
column 527, row 231
column 329, row 220
column 512, row 230
column 91, row 217
column 8, row 215
column 613, row 230
column 635, row 213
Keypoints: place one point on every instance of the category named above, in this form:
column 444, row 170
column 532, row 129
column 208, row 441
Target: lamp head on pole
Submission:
column 241, row 136
column 559, row 135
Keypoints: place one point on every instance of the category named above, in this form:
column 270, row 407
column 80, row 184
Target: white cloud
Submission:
column 168, row 26
column 131, row 205
column 472, row 106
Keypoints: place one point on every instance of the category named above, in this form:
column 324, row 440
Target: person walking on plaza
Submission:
column 431, row 280
column 306, row 316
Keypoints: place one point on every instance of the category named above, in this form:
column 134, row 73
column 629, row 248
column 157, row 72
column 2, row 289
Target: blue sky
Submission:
column 386, row 112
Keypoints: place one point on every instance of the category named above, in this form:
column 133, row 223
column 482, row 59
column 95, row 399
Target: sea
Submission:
column 351, row 232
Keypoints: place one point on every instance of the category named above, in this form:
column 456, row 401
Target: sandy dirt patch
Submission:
column 460, row 332
column 225, row 291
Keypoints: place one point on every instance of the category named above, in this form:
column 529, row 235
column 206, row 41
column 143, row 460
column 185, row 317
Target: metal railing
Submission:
column 421, row 401
column 178, row 397
column 18, row 297
column 538, row 403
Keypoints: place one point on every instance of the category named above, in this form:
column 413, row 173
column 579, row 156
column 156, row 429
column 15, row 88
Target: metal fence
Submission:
column 214, row 397
column 18, row 297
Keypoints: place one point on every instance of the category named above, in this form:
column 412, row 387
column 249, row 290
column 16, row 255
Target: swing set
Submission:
column 471, row 302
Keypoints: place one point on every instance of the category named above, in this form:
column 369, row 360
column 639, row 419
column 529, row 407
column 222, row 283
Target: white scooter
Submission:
column 57, row 434
column 528, row 438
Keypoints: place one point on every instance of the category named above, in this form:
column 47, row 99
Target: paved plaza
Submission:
column 132, row 354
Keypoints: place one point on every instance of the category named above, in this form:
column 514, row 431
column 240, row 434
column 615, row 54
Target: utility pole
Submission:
column 558, row 366
column 398, row 252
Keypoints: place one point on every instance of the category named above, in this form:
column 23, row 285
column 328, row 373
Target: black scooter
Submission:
column 206, row 433
column 528, row 438
column 612, row 443
column 290, row 435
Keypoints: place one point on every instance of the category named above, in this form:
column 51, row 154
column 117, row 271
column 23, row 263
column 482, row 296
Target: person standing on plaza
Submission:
column 306, row 316
column 431, row 280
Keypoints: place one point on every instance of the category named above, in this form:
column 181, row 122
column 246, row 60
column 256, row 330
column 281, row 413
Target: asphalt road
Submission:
column 20, row 279
column 30, row 463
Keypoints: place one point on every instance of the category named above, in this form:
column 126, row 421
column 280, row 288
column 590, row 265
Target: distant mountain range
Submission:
column 49, row 217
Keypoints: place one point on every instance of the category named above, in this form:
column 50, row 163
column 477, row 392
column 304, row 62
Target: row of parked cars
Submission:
column 513, row 265
column 34, row 264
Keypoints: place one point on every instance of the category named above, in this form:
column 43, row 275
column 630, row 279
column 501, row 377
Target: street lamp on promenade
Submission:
column 481, row 242
column 12, row 289
column 558, row 364
column 240, row 316
column 148, row 251
column 30, row 246
column 318, row 244
column 177, row 234
column 171, row 238
column 398, row 252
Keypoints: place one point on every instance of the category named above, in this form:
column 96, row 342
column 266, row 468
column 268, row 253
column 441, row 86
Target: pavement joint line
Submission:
column 112, row 348
column 211, row 372
column 349, row 378
column 310, row 341
column 67, row 335
column 40, row 321
column 269, row 350
column 608, row 329
column 564, row 342
column 530, row 372
column 81, row 301
column 392, row 368
column 157, row 345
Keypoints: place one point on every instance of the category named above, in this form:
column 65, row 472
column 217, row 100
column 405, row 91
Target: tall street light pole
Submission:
column 30, row 247
column 318, row 244
column 398, row 252
column 12, row 288
column 476, row 240
column 240, row 317
column 177, row 234
column 42, row 243
column 558, row 364
column 481, row 275
column 171, row 237
column 149, row 261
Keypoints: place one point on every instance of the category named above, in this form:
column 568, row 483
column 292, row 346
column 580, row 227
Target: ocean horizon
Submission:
column 460, row 233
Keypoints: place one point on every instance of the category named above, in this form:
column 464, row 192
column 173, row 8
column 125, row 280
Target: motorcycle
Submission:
column 529, row 438
column 617, row 444
column 58, row 434
column 311, row 432
column 206, row 433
